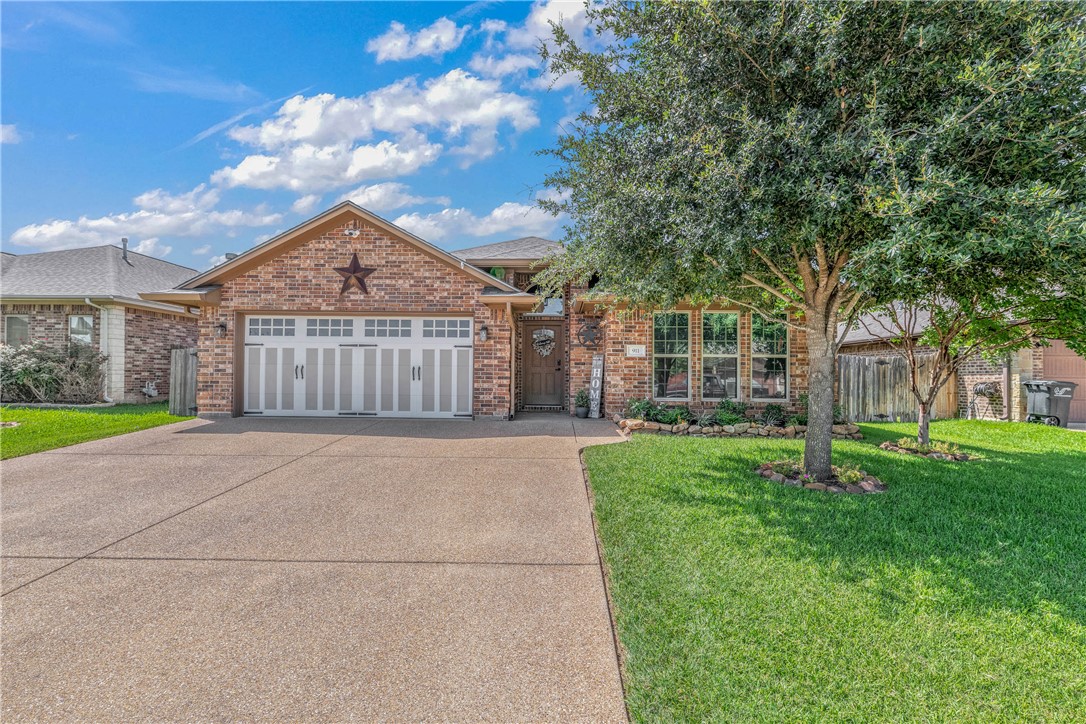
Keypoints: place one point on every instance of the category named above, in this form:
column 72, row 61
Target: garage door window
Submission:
column 388, row 328
column 446, row 328
column 269, row 327
column 329, row 327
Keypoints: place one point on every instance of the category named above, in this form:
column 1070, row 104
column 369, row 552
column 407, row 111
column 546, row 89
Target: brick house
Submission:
column 1054, row 362
column 347, row 314
column 91, row 295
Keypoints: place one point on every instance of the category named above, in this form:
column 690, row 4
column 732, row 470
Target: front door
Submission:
column 543, row 353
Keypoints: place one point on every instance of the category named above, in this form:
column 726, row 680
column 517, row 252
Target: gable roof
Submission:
column 527, row 248
column 333, row 217
column 95, row 271
column 879, row 327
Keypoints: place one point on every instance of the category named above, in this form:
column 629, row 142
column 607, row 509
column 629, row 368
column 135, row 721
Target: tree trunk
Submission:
column 923, row 434
column 817, row 456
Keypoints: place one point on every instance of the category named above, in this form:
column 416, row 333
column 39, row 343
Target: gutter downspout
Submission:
column 512, row 359
column 1006, row 416
column 103, row 338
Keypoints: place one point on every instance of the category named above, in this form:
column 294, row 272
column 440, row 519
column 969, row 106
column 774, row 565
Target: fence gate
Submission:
column 183, row 381
column 876, row 389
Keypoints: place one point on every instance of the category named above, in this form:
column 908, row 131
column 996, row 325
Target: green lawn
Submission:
column 958, row 595
column 42, row 429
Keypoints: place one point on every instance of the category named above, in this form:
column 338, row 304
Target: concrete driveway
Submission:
column 308, row 569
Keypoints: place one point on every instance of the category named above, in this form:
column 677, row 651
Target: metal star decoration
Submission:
column 354, row 275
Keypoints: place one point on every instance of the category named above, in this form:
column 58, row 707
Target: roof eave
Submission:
column 186, row 297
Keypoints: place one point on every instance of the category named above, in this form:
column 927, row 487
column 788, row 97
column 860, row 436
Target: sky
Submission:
column 197, row 129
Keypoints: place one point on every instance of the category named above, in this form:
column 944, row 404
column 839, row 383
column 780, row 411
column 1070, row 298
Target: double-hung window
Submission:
column 768, row 359
column 671, row 355
column 81, row 328
column 16, row 329
column 719, row 355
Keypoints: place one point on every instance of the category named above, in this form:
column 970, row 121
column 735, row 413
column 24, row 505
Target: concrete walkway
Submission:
column 308, row 569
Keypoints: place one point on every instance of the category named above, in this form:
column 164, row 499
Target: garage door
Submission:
column 1060, row 363
column 375, row 366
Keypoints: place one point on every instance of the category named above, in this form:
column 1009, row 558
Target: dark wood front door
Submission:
column 543, row 354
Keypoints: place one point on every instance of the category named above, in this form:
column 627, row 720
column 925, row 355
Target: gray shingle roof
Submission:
column 879, row 327
column 528, row 247
column 96, row 271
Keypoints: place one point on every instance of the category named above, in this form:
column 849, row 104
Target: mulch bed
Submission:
column 794, row 478
column 931, row 455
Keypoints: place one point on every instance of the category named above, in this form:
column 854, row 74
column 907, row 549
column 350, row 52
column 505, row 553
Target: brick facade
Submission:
column 149, row 338
column 301, row 280
column 138, row 341
column 49, row 322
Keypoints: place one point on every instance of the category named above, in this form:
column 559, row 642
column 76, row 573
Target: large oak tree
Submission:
column 775, row 153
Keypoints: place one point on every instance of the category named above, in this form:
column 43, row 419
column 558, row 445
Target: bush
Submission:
column 801, row 419
column 581, row 399
column 37, row 373
column 642, row 409
column 773, row 414
column 706, row 419
column 947, row 448
column 673, row 415
column 730, row 412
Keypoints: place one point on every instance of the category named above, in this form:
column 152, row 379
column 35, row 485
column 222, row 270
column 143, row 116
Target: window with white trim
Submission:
column 447, row 328
column 719, row 355
column 271, row 327
column 328, row 327
column 16, row 329
column 671, row 356
column 768, row 359
column 387, row 328
column 81, row 328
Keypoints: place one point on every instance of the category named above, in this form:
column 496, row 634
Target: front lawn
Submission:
column 45, row 429
column 960, row 594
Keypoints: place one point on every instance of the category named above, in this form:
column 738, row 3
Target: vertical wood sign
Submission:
column 595, row 386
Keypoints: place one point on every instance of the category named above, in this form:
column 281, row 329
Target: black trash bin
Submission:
column 1049, row 401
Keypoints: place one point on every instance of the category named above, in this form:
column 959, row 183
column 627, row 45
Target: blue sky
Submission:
column 201, row 128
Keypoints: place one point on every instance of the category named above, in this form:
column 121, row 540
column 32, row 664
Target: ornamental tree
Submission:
column 772, row 153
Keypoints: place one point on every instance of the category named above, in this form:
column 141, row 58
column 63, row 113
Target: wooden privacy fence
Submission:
column 183, row 381
column 876, row 389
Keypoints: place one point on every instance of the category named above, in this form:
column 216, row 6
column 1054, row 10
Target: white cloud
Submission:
column 491, row 66
column 433, row 41
column 510, row 218
column 159, row 214
column 388, row 196
column 201, row 250
column 152, row 247
column 309, row 145
column 305, row 204
column 216, row 260
column 9, row 133
column 193, row 85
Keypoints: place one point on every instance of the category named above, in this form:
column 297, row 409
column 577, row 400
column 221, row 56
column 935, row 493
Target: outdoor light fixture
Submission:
column 220, row 329
column 482, row 333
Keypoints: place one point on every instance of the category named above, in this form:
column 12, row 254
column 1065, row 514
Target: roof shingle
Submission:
column 95, row 271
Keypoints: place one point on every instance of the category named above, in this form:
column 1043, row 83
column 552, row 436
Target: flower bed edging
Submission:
column 869, row 485
column 743, row 429
column 933, row 455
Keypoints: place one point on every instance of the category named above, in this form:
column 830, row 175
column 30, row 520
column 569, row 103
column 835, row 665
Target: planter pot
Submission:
column 582, row 412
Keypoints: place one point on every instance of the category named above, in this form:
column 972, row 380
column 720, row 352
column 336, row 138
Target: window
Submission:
column 387, row 328
column 81, row 328
column 671, row 356
column 719, row 355
column 325, row 327
column 448, row 328
column 769, row 359
column 16, row 329
column 269, row 327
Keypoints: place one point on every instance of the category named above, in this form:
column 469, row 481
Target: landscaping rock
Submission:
column 777, row 478
column 694, row 429
column 681, row 427
column 652, row 426
column 635, row 424
column 867, row 486
column 741, row 428
column 815, row 486
column 854, row 489
column 834, row 489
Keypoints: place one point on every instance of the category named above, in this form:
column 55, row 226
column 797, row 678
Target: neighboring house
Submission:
column 1054, row 362
column 91, row 295
column 349, row 315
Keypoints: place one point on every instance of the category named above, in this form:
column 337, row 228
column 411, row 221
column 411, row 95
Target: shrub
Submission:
column 581, row 399
column 642, row 409
column 773, row 414
column 730, row 412
column 37, row 373
column 706, row 419
column 947, row 448
column 801, row 418
column 848, row 475
column 673, row 415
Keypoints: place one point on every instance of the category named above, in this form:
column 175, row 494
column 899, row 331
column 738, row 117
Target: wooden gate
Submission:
column 183, row 381
column 876, row 389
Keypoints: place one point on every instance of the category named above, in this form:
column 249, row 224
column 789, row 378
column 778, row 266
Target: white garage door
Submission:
column 375, row 366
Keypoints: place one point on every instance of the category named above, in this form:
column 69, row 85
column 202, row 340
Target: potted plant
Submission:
column 580, row 402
